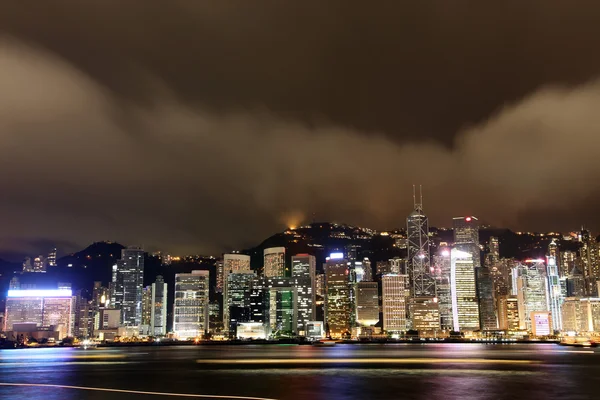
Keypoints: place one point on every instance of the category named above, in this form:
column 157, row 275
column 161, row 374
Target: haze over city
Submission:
column 192, row 127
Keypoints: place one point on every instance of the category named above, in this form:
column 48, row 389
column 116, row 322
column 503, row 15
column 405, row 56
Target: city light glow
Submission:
column 336, row 256
column 40, row 293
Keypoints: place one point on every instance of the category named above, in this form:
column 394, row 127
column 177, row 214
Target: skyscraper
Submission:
column 531, row 290
column 219, row 267
column 394, row 302
column 190, row 308
column 418, row 260
column 465, row 307
column 146, row 306
column 368, row 270
column 236, row 302
column 589, row 254
column 555, row 297
column 567, row 262
column 44, row 308
column 442, row 269
column 485, row 292
column 281, row 304
column 338, row 303
column 274, row 262
column 52, row 258
column 508, row 313
column 127, row 279
column 158, row 318
column 466, row 237
column 303, row 274
column 367, row 303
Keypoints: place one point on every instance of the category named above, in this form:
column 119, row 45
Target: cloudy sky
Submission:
column 197, row 126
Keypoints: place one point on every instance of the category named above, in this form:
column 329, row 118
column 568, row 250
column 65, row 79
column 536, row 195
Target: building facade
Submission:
column 394, row 302
column 127, row 280
column 190, row 308
column 303, row 274
column 158, row 317
column 274, row 262
column 465, row 306
column 338, row 302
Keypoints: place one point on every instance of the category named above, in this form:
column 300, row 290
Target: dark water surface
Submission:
column 402, row 371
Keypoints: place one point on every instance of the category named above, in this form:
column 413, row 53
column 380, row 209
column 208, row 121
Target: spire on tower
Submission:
column 418, row 206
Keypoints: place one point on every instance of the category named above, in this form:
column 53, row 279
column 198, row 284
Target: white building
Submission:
column 190, row 309
column 274, row 262
column 394, row 302
column 465, row 307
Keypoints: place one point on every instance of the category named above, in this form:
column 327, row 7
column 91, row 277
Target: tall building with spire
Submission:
column 466, row 237
column 421, row 278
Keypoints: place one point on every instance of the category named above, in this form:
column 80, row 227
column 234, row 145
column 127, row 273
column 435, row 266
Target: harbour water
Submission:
column 373, row 371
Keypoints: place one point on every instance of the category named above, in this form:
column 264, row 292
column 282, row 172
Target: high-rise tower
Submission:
column 127, row 279
column 418, row 260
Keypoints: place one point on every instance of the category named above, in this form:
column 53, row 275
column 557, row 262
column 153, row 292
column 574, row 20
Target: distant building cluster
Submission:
column 459, row 288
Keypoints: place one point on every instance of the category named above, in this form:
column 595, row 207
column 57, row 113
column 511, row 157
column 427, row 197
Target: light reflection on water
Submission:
column 558, row 373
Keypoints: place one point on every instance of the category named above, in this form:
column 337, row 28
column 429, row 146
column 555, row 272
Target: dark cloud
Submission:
column 202, row 127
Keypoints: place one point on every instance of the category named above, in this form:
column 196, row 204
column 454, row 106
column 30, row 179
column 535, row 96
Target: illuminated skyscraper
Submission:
column 303, row 274
column 219, row 267
column 52, row 258
column 281, row 304
column 368, row 270
column 531, row 290
column 567, row 262
column 425, row 314
column 274, row 262
column 394, row 302
column 555, row 297
column 508, row 313
column 44, row 308
column 418, row 260
column 190, row 308
column 589, row 254
column 367, row 303
column 466, row 237
column 158, row 317
column 338, row 302
column 442, row 267
column 494, row 249
column 485, row 292
column 237, row 298
column 465, row 307
column 127, row 279
column 146, row 305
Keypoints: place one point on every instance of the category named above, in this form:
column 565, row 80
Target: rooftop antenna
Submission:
column 418, row 206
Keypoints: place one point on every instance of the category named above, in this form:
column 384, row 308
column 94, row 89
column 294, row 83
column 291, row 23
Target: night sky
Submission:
column 200, row 127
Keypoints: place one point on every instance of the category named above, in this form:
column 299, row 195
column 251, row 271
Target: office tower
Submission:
column 359, row 271
column 282, row 305
column 158, row 318
column 422, row 283
column 425, row 315
column 235, row 263
column 500, row 272
column 576, row 284
column 14, row 283
column 541, row 323
column 398, row 266
column 44, row 308
column 100, row 296
column 236, row 302
column 394, row 302
column 508, row 313
column 442, row 270
column 190, row 308
column 368, row 270
column 52, row 258
column 553, row 250
column 39, row 264
column 274, row 262
column 303, row 274
column 466, row 237
column 567, row 262
column 83, row 316
column 219, row 267
column 555, row 297
column 531, row 290
column 320, row 283
column 214, row 316
column 146, row 305
column 589, row 254
column 494, row 249
column 571, row 315
column 581, row 315
column 338, row 302
column 27, row 267
column 127, row 279
column 465, row 307
column 485, row 291
column 367, row 303
column 590, row 314
column 383, row 267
